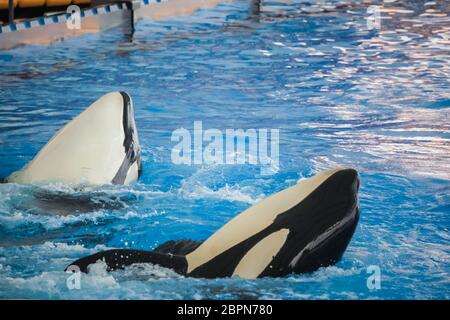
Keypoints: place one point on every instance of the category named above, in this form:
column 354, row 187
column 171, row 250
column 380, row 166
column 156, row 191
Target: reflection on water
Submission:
column 401, row 68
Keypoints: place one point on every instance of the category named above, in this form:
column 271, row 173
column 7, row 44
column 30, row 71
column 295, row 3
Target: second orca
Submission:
column 297, row 230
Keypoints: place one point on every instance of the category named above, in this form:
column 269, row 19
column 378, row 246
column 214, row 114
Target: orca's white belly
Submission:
column 99, row 146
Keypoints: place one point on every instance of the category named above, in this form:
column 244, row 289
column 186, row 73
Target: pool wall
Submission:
column 50, row 29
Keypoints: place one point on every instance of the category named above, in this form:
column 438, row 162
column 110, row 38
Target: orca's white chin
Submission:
column 99, row 146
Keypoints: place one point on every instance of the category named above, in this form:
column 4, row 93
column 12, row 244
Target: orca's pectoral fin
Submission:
column 120, row 258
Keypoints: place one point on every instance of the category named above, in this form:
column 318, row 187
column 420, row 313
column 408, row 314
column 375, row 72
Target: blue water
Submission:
column 376, row 100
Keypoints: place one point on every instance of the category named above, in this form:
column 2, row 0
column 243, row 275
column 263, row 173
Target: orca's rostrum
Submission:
column 299, row 229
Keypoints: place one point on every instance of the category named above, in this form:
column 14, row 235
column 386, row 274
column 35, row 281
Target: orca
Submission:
column 99, row 146
column 297, row 230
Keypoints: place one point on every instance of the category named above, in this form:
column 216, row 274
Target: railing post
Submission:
column 135, row 4
column 11, row 11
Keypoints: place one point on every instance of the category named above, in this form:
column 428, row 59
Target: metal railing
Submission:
column 11, row 11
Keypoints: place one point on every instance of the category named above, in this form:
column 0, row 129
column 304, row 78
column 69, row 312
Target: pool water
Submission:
column 340, row 92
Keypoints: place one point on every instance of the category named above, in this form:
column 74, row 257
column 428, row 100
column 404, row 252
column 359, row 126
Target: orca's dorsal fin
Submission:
column 99, row 146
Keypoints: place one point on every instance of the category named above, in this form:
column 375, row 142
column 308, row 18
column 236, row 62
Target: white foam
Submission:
column 50, row 222
column 229, row 193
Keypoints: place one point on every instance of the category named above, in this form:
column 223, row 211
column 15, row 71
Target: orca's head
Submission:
column 320, row 226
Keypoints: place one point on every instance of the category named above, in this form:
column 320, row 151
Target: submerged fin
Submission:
column 99, row 146
column 47, row 201
column 170, row 254
column 120, row 258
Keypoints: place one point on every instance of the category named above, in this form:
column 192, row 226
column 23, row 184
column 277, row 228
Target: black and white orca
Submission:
column 297, row 230
column 99, row 146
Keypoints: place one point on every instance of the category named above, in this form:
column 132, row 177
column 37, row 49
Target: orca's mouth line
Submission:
column 132, row 153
